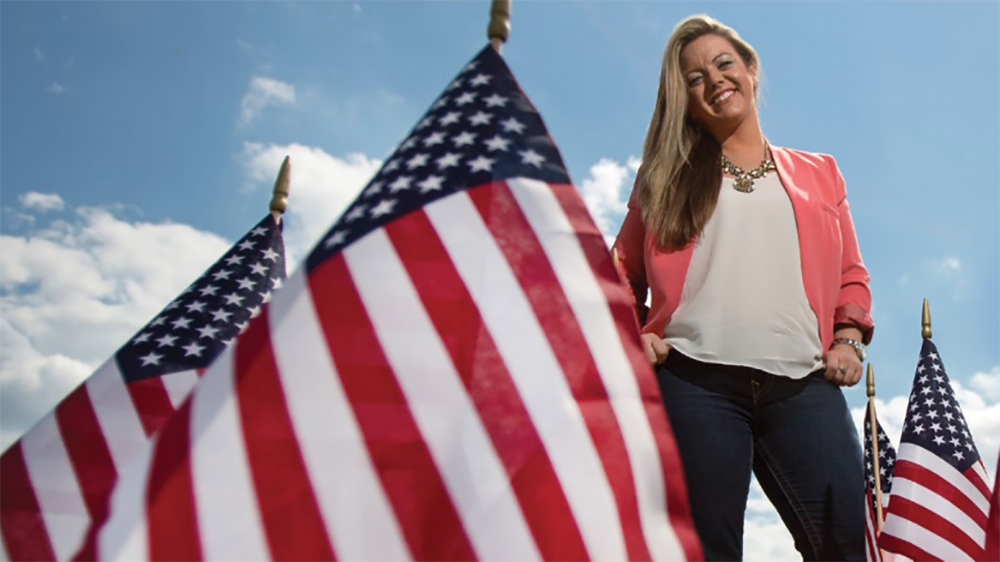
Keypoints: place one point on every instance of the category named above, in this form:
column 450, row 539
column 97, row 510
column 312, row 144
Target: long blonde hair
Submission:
column 680, row 175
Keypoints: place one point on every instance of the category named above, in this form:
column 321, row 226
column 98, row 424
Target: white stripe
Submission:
column 125, row 534
column 536, row 372
column 59, row 496
column 981, row 471
column 116, row 413
column 179, row 385
column 590, row 306
column 228, row 518
column 870, row 535
column 357, row 514
column 4, row 555
column 920, row 456
column 449, row 423
column 942, row 507
column 922, row 538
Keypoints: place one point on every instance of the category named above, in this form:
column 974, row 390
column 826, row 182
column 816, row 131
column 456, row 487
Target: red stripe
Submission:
column 993, row 527
column 527, row 259
column 24, row 533
column 88, row 451
column 941, row 486
column 909, row 510
column 152, row 403
column 288, row 507
column 411, row 481
column 871, row 528
column 978, row 480
column 171, row 512
column 619, row 302
column 897, row 545
column 488, row 383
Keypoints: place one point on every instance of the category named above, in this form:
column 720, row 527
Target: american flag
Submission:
column 886, row 459
column 940, row 492
column 453, row 374
column 57, row 478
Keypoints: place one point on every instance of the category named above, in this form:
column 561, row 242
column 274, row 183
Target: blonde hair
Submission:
column 680, row 174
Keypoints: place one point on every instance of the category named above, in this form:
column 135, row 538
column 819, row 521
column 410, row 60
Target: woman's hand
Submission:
column 654, row 347
column 842, row 366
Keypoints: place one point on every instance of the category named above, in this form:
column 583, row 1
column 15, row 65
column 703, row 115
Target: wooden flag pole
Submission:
column 499, row 29
column 925, row 321
column 279, row 195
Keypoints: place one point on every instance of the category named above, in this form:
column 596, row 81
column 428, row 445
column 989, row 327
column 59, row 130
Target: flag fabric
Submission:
column 886, row 459
column 940, row 492
column 993, row 527
column 454, row 373
column 57, row 477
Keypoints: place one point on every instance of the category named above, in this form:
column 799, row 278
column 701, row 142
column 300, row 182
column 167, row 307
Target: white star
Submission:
column 383, row 208
column 172, row 305
column 260, row 230
column 181, row 323
column 243, row 326
column 513, row 125
column 401, row 183
column 933, row 356
column 276, row 283
column 455, row 84
column 151, row 359
column 480, row 118
column 375, row 187
column 480, row 80
column 955, row 442
column 390, row 166
column 450, row 159
column 358, row 212
column 463, row 138
column 142, row 338
column 417, row 161
column 471, row 66
column 222, row 274
column 196, row 306
column 466, row 98
column 932, row 414
column 531, row 157
column 481, row 164
column 408, row 144
column 935, row 427
column 926, row 390
column 335, row 239
column 234, row 299
column 929, row 402
column 207, row 331
column 937, row 368
column 497, row 143
column 921, row 369
column 158, row 321
column 939, row 440
column 208, row 290
column 270, row 254
column 265, row 297
column 443, row 101
column 255, row 311
column 258, row 269
column 246, row 245
column 496, row 101
column 432, row 183
column 426, row 122
column 234, row 260
column 193, row 349
column 958, row 455
column 246, row 284
column 166, row 341
column 918, row 429
column 450, row 118
column 221, row 316
column 437, row 137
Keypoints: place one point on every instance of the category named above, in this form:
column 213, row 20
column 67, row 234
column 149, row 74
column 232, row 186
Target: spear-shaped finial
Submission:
column 279, row 196
column 499, row 28
column 870, row 381
column 925, row 321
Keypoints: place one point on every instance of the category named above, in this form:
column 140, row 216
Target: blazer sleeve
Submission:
column 855, row 300
column 629, row 247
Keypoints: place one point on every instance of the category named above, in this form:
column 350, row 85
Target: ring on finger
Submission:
column 842, row 369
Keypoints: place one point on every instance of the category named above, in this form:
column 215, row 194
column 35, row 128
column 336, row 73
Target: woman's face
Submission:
column 720, row 85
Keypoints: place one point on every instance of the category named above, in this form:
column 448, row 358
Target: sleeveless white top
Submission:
column 743, row 301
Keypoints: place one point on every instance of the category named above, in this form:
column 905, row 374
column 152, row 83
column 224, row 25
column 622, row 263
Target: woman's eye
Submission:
column 725, row 64
column 694, row 81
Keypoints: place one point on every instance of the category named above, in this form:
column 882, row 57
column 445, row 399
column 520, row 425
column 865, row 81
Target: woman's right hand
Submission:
column 655, row 348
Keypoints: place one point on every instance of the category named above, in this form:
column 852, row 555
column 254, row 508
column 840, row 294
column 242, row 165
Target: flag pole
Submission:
column 499, row 29
column 279, row 195
column 925, row 321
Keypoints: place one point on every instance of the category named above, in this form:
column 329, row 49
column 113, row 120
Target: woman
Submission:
column 759, row 305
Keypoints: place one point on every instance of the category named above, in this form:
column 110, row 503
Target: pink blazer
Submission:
column 835, row 278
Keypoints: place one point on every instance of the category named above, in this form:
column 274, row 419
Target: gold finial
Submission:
column 870, row 381
column 499, row 28
column 279, row 197
column 925, row 322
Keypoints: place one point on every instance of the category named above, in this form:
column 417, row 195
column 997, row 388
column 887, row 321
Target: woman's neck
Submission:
column 744, row 145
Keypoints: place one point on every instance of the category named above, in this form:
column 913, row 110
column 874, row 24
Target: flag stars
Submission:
column 935, row 427
column 222, row 274
column 193, row 349
column 435, row 138
column 246, row 284
column 207, row 331
column 496, row 100
column 408, row 144
column 196, row 306
column 401, row 183
column 390, row 166
column 464, row 139
column 373, row 188
column 939, row 440
column 441, row 102
column 450, row 118
column 448, row 160
column 158, row 321
column 497, row 143
column 512, row 125
column 531, row 157
column 335, row 239
column 166, row 341
column 233, row 299
column 480, row 80
column 384, row 207
column 181, row 323
column 270, row 254
column 958, row 455
column 246, row 245
column 466, row 98
column 151, row 359
column 358, row 212
column 234, row 260
column 208, row 291
column 417, row 161
column 425, row 122
column 480, row 118
column 221, row 315
column 259, row 231
column 432, row 183
column 481, row 164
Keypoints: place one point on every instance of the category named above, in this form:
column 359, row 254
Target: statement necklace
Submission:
column 743, row 182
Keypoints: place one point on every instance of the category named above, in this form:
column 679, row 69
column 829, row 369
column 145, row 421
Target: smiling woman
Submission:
column 759, row 305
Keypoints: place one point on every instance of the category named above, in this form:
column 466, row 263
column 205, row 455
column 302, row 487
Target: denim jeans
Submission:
column 798, row 438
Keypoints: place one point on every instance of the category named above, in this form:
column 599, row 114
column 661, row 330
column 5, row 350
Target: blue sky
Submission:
column 120, row 119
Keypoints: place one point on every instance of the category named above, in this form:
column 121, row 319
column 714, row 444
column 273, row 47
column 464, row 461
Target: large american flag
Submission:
column 455, row 373
column 886, row 459
column 940, row 492
column 57, row 478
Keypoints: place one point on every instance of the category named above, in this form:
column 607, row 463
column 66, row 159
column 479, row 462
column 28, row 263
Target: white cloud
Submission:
column 357, row 7
column 322, row 186
column 951, row 264
column 987, row 384
column 56, row 88
column 40, row 56
column 42, row 201
column 606, row 191
column 264, row 92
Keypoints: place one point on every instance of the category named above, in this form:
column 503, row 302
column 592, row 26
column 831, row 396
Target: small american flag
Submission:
column 57, row 478
column 940, row 492
column 453, row 374
column 886, row 459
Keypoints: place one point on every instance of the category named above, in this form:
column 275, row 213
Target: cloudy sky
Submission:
column 140, row 139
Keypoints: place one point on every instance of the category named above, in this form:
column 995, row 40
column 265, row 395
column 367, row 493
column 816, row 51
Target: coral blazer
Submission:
column 835, row 278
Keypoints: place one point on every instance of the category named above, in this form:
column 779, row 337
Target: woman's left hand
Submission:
column 842, row 366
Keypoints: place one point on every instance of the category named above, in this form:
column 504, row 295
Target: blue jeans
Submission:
column 798, row 438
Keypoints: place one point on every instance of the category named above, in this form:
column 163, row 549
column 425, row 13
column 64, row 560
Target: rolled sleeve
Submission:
column 855, row 299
